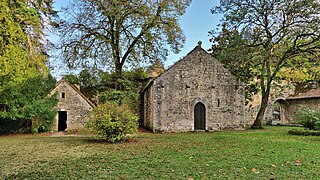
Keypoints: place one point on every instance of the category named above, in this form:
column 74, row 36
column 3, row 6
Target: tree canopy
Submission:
column 119, row 33
column 260, row 38
column 22, row 41
column 24, row 76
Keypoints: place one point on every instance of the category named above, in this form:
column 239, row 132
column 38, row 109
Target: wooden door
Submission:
column 199, row 116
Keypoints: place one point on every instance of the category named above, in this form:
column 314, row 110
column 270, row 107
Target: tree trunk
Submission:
column 264, row 103
column 118, row 70
column 258, row 121
column 118, row 77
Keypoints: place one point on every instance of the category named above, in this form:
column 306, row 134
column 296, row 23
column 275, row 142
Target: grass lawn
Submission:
column 253, row 154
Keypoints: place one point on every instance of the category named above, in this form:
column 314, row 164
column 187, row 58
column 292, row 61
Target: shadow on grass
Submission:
column 99, row 141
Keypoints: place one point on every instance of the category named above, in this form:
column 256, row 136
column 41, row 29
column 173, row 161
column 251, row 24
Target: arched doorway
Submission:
column 199, row 116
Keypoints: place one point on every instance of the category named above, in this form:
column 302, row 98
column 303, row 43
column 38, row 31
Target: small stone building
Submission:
column 291, row 105
column 196, row 93
column 72, row 109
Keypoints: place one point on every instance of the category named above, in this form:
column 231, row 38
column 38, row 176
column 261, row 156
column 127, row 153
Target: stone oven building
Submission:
column 72, row 109
column 196, row 93
column 291, row 105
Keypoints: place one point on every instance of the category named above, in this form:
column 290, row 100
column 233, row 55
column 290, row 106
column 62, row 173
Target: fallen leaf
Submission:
column 190, row 178
column 298, row 162
column 272, row 173
column 255, row 170
column 273, row 165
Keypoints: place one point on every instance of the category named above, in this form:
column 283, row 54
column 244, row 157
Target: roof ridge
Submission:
column 154, row 78
column 76, row 89
column 312, row 93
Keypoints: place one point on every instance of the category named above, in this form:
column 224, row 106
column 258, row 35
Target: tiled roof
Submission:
column 314, row 93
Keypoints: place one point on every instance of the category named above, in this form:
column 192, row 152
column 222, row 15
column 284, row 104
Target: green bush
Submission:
column 309, row 118
column 29, row 101
column 16, row 126
column 111, row 122
column 304, row 132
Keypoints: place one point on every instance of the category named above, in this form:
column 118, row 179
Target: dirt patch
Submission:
column 36, row 135
column 60, row 133
column 143, row 130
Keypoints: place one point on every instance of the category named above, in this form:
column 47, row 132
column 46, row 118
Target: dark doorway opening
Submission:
column 62, row 120
column 199, row 116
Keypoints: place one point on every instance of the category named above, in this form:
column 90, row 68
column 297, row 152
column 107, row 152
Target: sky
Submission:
column 195, row 23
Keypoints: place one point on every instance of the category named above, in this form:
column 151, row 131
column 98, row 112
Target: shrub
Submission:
column 29, row 101
column 304, row 132
column 309, row 118
column 16, row 126
column 111, row 122
column 43, row 112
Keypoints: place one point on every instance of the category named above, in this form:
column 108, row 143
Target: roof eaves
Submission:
column 82, row 95
column 303, row 97
column 77, row 90
column 198, row 47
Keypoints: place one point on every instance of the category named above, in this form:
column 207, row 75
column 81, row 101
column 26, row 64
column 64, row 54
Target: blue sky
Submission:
column 195, row 23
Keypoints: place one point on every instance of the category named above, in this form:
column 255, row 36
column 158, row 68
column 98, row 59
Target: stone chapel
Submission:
column 195, row 94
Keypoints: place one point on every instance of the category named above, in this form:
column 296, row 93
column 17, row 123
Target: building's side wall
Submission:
column 289, row 109
column 197, row 78
column 77, row 107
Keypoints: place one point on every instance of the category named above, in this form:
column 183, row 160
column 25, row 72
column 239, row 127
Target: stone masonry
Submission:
column 168, row 102
column 291, row 105
column 73, row 103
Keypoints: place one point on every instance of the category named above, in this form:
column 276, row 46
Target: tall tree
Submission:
column 116, row 33
column 24, row 77
column 268, row 35
column 22, row 49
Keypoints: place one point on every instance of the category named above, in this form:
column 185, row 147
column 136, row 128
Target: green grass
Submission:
column 253, row 154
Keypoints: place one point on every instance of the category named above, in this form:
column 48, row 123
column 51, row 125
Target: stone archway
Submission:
column 199, row 116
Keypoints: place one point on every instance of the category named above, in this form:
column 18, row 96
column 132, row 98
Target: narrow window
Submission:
column 63, row 95
column 218, row 102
